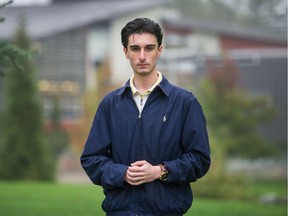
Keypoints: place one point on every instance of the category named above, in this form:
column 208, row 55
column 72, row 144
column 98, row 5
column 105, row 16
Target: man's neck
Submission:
column 144, row 83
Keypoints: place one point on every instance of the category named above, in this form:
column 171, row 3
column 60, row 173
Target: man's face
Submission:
column 143, row 52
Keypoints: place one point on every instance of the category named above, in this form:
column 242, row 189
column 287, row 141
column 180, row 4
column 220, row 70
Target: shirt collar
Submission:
column 164, row 85
column 135, row 91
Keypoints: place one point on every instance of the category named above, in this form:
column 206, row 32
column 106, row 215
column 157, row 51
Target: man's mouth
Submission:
column 142, row 65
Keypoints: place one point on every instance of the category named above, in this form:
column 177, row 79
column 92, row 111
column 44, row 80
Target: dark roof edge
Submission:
column 226, row 28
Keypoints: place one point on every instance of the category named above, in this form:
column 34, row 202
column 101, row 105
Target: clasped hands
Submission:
column 141, row 172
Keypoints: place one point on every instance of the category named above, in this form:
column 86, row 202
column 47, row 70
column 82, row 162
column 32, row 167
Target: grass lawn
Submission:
column 51, row 199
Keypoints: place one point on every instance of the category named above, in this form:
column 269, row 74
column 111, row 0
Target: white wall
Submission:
column 204, row 43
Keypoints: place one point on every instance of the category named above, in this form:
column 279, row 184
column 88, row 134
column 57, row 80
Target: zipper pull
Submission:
column 140, row 114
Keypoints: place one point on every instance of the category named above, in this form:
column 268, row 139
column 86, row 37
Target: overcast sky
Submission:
column 281, row 7
column 26, row 2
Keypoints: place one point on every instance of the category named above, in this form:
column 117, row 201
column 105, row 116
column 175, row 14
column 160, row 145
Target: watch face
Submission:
column 164, row 176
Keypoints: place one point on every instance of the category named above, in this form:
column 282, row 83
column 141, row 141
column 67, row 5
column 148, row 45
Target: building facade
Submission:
column 74, row 38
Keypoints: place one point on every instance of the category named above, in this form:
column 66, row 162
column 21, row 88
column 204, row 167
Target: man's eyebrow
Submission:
column 148, row 45
column 133, row 46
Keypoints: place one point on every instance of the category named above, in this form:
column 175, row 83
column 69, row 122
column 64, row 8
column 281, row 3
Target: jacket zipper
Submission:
column 141, row 104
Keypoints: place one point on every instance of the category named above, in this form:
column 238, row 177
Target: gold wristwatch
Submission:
column 164, row 173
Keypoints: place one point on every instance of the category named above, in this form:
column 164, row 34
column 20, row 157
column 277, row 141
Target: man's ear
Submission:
column 126, row 52
column 160, row 50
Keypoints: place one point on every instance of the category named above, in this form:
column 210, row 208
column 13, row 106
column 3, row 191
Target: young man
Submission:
column 148, row 140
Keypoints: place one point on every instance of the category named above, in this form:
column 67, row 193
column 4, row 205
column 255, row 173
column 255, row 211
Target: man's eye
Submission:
column 149, row 48
column 135, row 49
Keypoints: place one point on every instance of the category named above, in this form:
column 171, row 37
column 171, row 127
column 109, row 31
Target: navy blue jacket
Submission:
column 171, row 129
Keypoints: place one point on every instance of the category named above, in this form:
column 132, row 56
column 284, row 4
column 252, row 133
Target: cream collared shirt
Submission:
column 139, row 98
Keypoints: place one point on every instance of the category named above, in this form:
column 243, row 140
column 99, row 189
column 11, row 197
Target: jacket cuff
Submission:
column 120, row 171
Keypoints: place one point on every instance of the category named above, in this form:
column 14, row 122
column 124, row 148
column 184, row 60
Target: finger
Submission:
column 134, row 180
column 139, row 163
column 134, row 174
column 135, row 169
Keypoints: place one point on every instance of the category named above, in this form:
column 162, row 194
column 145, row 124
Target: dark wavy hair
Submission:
column 141, row 25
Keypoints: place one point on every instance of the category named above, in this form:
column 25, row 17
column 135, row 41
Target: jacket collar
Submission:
column 164, row 85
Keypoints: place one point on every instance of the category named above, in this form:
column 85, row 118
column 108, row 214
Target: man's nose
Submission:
column 142, row 55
